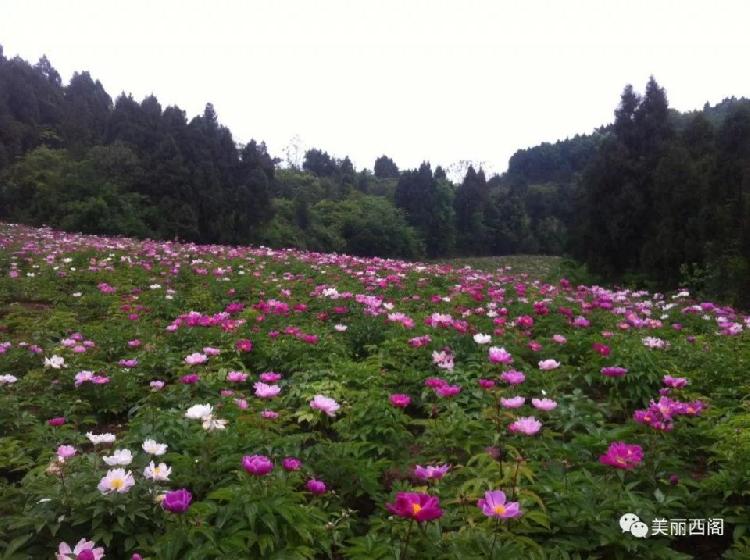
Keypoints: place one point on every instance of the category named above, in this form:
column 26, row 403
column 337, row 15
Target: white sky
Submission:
column 418, row 80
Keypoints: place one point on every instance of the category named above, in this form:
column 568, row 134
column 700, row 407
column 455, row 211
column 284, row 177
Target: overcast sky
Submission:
column 417, row 80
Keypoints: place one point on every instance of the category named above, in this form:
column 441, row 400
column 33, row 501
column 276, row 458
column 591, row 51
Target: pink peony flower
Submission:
column 494, row 504
column 514, row 402
column 269, row 414
column 544, row 404
column 500, row 355
column 57, row 421
column 547, row 365
column 236, row 377
column 513, row 377
column 431, row 473
column 674, row 382
column 196, row 358
column 443, row 359
column 291, row 464
column 266, row 391
column 527, row 425
column 325, row 404
column 83, row 550
column 241, row 403
column 418, row 341
column 621, row 455
column 65, row 452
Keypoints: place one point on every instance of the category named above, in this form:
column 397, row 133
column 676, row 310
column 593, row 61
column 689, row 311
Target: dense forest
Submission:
column 657, row 197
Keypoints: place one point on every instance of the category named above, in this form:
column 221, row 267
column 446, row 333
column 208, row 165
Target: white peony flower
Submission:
column 151, row 447
column 157, row 473
column 119, row 457
column 199, row 411
column 96, row 439
column 55, row 362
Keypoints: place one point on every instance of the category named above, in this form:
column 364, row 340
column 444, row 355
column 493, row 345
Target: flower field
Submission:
column 174, row 401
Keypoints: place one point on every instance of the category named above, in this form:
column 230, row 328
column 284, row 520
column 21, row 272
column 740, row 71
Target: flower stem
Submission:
column 494, row 538
column 402, row 556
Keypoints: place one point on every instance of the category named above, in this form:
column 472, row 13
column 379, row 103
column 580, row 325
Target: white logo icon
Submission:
column 627, row 520
column 639, row 530
column 630, row 522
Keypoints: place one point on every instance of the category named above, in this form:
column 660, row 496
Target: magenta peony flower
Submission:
column 317, row 487
column 190, row 379
column 486, row 384
column 325, row 404
column 257, row 465
column 291, row 464
column 270, row 377
column 601, row 349
column 269, row 414
column 448, row 391
column 400, row 400
column 177, row 501
column 429, row 472
column 57, row 421
column 435, row 382
column 494, row 504
column 418, row 341
column 527, row 425
column 417, row 506
column 244, row 345
column 614, row 371
column 621, row 455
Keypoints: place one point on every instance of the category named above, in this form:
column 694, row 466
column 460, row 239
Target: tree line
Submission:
column 658, row 196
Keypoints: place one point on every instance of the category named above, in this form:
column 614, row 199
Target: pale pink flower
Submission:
column 514, row 402
column 527, row 425
column 325, row 404
column 265, row 391
column 544, row 404
column 546, row 365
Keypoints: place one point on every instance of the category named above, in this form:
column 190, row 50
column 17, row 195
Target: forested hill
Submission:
column 657, row 195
